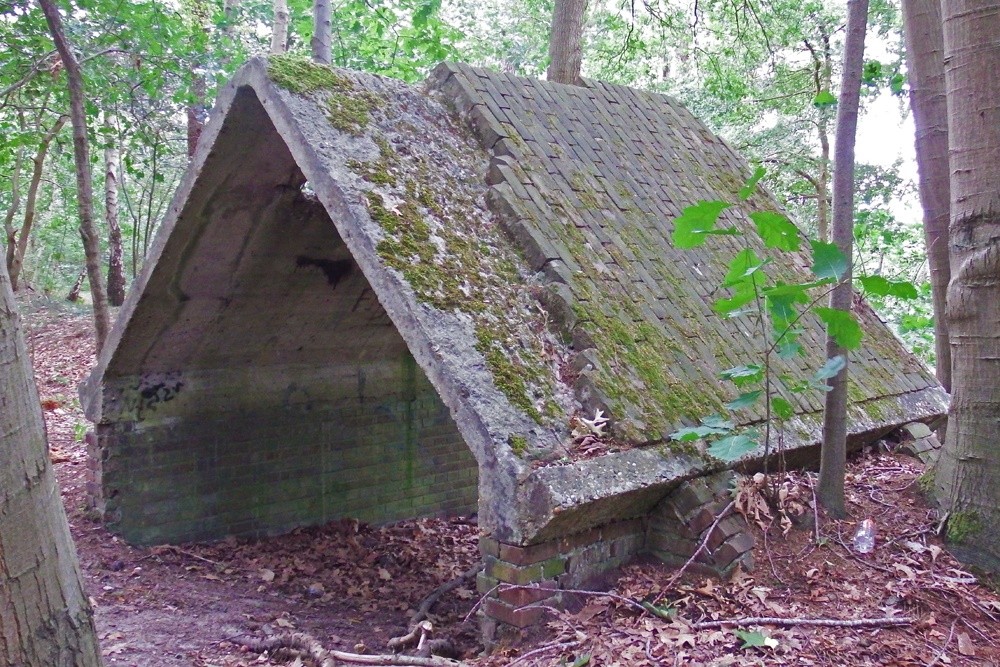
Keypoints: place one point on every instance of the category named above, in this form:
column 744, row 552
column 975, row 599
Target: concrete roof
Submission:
column 516, row 233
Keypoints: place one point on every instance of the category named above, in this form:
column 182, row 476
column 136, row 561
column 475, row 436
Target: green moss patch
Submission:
column 350, row 112
column 435, row 237
column 964, row 526
column 301, row 75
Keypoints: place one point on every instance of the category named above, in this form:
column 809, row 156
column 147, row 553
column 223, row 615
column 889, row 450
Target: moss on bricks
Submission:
column 301, row 75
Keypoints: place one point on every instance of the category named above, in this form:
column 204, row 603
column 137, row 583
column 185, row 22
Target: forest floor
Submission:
column 353, row 586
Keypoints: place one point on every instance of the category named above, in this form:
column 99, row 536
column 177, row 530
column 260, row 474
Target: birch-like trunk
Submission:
column 279, row 30
column 925, row 66
column 566, row 41
column 84, row 178
column 322, row 39
column 116, row 266
column 833, row 457
column 45, row 615
column 968, row 475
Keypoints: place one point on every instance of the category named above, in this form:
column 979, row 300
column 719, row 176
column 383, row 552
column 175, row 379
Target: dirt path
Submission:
column 352, row 585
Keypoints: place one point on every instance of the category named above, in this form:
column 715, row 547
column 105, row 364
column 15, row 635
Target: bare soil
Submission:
column 353, row 586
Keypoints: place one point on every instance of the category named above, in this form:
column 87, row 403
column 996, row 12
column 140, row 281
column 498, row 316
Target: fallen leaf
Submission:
column 965, row 645
column 267, row 575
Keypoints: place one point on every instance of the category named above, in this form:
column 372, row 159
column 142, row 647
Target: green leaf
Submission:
column 776, row 230
column 692, row 433
column 828, row 261
column 842, row 327
column 755, row 639
column 583, row 660
column 880, row 286
column 744, row 400
column 789, row 347
column 897, row 83
column 824, row 99
column 741, row 376
column 743, row 265
column 695, row 221
column 732, row 447
column 667, row 612
column 743, row 294
column 781, row 408
column 830, row 369
column 751, row 183
column 871, row 73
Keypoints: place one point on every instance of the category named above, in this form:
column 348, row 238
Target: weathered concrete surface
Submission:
column 354, row 271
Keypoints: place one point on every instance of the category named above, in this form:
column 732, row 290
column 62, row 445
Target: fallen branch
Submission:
column 428, row 603
column 823, row 622
column 418, row 619
column 704, row 542
column 308, row 646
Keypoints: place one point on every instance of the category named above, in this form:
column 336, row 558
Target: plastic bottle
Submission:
column 864, row 537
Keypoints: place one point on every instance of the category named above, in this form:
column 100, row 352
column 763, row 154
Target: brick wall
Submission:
column 302, row 446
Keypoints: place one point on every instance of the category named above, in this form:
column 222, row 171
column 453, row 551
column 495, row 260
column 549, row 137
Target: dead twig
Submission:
column 887, row 621
column 704, row 542
column 544, row 649
column 602, row 594
column 944, row 647
column 418, row 619
column 414, row 636
column 308, row 646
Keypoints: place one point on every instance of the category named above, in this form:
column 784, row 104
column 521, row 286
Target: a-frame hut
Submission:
column 382, row 301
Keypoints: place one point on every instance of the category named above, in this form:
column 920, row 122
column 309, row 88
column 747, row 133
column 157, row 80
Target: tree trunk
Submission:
column 834, row 451
column 968, row 475
column 16, row 262
column 196, row 114
column 566, row 41
column 10, row 232
column 279, row 30
column 925, row 63
column 84, row 181
column 45, row 615
column 116, row 267
column 322, row 39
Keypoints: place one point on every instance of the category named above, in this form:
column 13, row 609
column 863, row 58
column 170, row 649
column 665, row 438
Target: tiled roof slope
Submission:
column 589, row 180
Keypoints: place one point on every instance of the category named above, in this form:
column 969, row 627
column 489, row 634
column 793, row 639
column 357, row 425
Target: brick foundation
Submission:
column 522, row 582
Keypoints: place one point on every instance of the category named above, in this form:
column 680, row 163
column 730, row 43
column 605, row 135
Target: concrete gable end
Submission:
column 376, row 300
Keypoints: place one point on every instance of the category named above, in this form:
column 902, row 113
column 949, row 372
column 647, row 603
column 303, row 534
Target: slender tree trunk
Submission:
column 566, row 41
column 84, row 181
column 834, row 451
column 925, row 64
column 116, row 267
column 822, row 194
column 45, row 615
column 16, row 262
column 322, row 39
column 196, row 114
column 10, row 232
column 279, row 30
column 968, row 475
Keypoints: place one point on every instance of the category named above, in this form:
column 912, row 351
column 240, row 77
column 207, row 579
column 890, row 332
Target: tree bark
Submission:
column 84, row 180
column 45, row 615
column 968, row 476
column 16, row 256
column 10, row 232
column 116, row 267
column 322, row 39
column 925, row 65
column 279, row 30
column 830, row 490
column 566, row 41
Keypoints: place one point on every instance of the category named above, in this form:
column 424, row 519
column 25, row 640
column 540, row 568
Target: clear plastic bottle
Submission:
column 864, row 537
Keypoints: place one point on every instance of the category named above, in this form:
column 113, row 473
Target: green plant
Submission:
column 776, row 309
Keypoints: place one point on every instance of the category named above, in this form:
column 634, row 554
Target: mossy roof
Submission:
column 590, row 179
